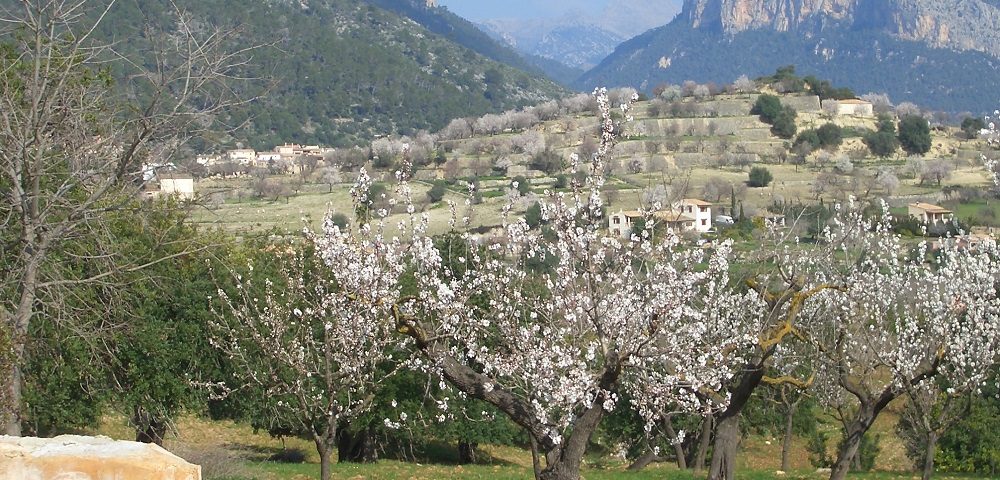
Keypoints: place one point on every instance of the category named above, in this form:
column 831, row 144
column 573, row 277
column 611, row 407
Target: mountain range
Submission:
column 580, row 39
column 940, row 54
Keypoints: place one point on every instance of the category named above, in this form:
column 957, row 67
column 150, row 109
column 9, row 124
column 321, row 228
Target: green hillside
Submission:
column 343, row 71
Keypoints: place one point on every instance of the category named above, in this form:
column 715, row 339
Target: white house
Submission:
column 621, row 223
column 687, row 214
column 206, row 159
column 930, row 214
column 850, row 107
column 699, row 210
column 242, row 156
column 266, row 158
column 177, row 184
column 289, row 150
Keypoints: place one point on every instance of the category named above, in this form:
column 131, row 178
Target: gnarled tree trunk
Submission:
column 467, row 452
column 854, row 430
column 707, row 426
column 928, row 470
column 324, row 446
column 355, row 447
column 727, row 425
column 148, row 427
column 786, row 441
column 727, row 442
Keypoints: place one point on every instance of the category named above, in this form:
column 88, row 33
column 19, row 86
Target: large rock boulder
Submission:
column 73, row 457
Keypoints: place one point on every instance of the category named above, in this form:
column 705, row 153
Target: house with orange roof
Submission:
column 689, row 214
column 929, row 213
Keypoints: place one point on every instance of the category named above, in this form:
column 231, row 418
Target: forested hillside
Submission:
column 338, row 72
column 456, row 29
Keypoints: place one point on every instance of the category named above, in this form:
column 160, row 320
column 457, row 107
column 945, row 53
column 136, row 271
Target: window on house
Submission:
column 704, row 222
column 618, row 221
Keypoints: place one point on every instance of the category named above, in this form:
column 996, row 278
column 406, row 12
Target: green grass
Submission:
column 987, row 213
column 394, row 470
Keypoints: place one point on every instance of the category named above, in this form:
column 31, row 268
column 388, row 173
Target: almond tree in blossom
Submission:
column 551, row 328
column 318, row 341
column 781, row 297
column 896, row 321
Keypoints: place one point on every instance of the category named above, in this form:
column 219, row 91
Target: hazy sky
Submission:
column 623, row 17
column 489, row 9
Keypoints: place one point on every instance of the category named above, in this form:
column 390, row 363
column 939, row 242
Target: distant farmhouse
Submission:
column 285, row 157
column 180, row 185
column 689, row 214
column 850, row 107
column 930, row 214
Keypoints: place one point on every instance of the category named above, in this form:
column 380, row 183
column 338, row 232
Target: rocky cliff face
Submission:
column 955, row 24
column 782, row 15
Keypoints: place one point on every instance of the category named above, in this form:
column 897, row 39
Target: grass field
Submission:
column 227, row 450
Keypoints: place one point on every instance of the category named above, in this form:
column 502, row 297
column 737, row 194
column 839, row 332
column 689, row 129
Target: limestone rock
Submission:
column 955, row 24
column 73, row 457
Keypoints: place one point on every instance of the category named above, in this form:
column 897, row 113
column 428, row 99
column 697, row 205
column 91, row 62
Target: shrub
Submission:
column 830, row 136
column 523, row 186
column 807, row 141
column 548, row 161
column 915, row 135
column 437, row 191
column 340, row 220
column 885, row 124
column 768, row 107
column 971, row 126
column 973, row 445
column 881, row 143
column 784, row 124
column 533, row 215
column 760, row 177
column 816, row 447
column 562, row 181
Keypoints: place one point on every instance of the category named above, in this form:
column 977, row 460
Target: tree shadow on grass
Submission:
column 433, row 452
column 437, row 452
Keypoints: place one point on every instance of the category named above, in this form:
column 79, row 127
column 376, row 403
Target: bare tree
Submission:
column 880, row 102
column 73, row 147
column 331, row 176
column 906, row 108
column 715, row 188
column 937, row 170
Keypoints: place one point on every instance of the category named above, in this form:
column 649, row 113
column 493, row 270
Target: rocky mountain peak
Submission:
column 733, row 16
column 954, row 24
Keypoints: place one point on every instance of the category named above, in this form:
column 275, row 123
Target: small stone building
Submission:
column 850, row 107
